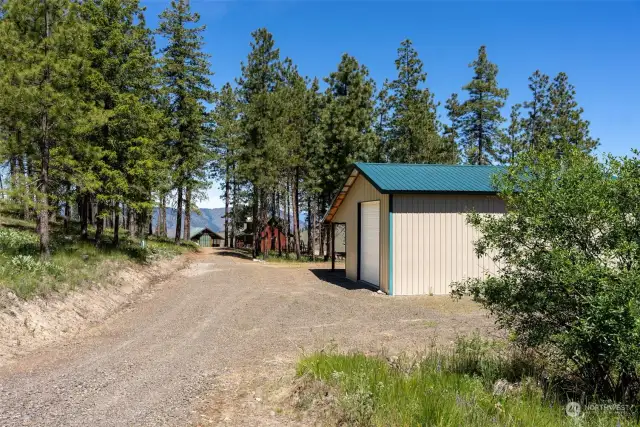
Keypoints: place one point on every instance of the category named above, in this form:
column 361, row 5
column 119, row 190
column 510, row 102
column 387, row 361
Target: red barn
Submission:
column 272, row 238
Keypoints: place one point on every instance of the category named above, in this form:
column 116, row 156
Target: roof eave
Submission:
column 328, row 217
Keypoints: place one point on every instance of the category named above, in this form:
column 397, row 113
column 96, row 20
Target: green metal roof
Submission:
column 197, row 230
column 427, row 178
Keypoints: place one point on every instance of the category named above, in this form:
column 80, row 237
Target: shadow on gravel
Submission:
column 234, row 253
column 339, row 278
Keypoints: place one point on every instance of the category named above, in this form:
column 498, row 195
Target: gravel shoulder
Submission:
column 216, row 344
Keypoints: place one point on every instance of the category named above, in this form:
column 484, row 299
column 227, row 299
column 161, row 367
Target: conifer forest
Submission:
column 100, row 126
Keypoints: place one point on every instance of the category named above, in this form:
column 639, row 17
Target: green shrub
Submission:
column 14, row 241
column 569, row 251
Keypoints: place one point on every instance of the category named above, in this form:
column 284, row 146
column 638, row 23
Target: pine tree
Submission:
column 554, row 117
column 451, row 132
column 226, row 137
column 536, row 124
column 347, row 122
column 381, row 124
column 481, row 119
column 567, row 126
column 512, row 141
column 260, row 75
column 43, row 46
column 122, row 57
column 297, row 132
column 413, row 126
column 186, row 75
column 314, row 162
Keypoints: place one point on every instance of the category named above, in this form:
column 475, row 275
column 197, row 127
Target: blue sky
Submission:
column 596, row 43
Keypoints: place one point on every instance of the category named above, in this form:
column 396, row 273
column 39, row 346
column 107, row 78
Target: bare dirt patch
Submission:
column 31, row 324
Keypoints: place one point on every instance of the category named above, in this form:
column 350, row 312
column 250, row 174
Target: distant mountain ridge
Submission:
column 210, row 218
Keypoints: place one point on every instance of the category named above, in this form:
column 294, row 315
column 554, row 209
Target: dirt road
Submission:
column 202, row 348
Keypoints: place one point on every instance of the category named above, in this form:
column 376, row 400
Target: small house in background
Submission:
column 273, row 238
column 206, row 237
column 406, row 228
column 244, row 234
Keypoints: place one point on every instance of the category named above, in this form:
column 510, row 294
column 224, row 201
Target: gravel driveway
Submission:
column 211, row 341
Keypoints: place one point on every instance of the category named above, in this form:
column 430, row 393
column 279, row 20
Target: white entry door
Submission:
column 370, row 242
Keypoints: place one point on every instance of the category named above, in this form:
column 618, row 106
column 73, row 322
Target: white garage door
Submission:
column 370, row 242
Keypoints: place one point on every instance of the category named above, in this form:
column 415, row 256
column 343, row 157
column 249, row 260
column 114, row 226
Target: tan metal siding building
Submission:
column 425, row 243
column 362, row 191
column 433, row 244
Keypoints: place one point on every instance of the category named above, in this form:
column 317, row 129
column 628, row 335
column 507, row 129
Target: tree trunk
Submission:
column 311, row 235
column 99, row 223
column 227, row 196
column 162, row 216
column 28, row 172
column 264, row 218
column 116, row 225
column 13, row 173
column 131, row 222
column 150, row 220
column 179, row 217
column 187, row 215
column 320, row 229
column 296, row 213
column 126, row 213
column 234, row 220
column 67, row 213
column 141, row 224
column 20, row 170
column 84, row 217
column 254, row 213
column 273, row 204
column 45, row 146
column 43, row 208
column 287, row 214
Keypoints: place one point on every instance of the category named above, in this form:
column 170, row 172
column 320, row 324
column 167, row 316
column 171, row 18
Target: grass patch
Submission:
column 475, row 384
column 74, row 263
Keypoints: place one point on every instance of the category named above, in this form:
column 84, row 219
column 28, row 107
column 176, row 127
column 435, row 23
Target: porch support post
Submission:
column 333, row 246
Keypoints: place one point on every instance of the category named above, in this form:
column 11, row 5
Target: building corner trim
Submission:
column 390, row 244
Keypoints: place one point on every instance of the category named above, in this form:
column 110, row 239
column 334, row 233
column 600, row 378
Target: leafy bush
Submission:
column 569, row 251
column 18, row 242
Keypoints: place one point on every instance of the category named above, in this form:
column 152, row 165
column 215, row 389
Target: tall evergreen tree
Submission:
column 481, row 119
column 554, row 117
column 536, row 123
column 186, row 75
column 123, row 88
column 260, row 75
column 226, row 139
column 512, row 141
column 313, row 149
column 43, row 46
column 413, row 126
column 381, row 124
column 297, row 132
column 347, row 121
column 451, row 132
column 567, row 126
